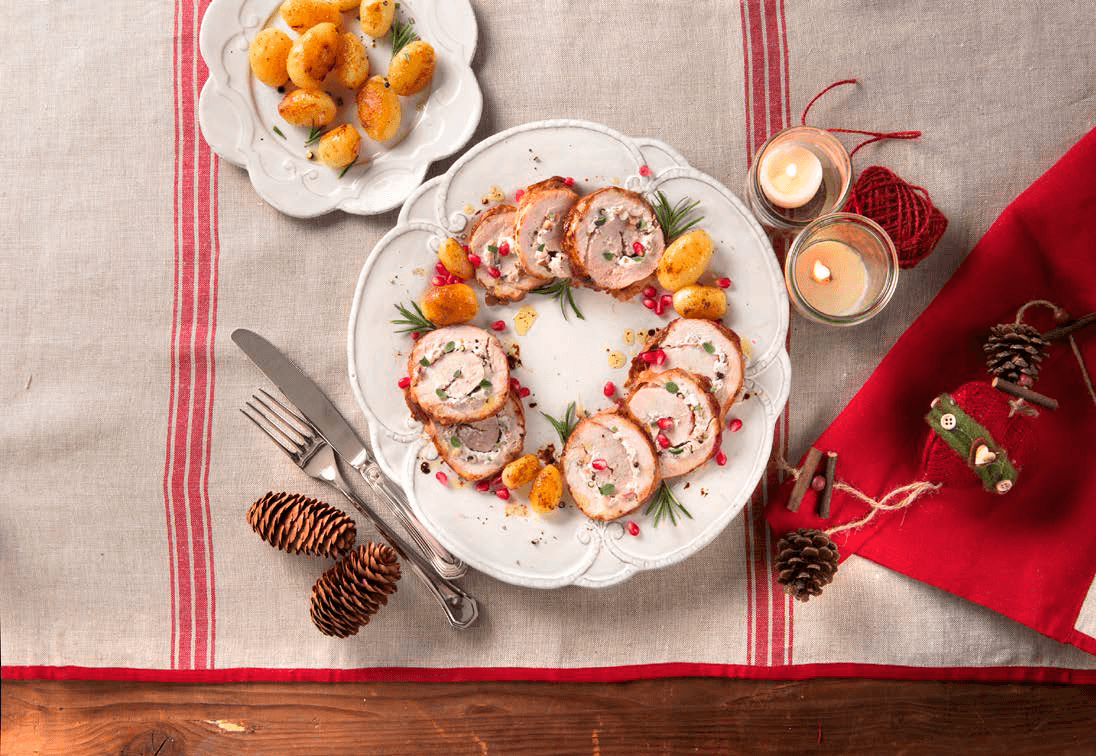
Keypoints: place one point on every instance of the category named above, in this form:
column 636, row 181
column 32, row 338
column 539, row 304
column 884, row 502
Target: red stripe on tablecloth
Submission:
column 577, row 674
column 192, row 369
column 768, row 632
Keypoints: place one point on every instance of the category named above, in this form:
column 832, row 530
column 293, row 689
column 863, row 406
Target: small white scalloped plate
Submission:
column 564, row 360
column 237, row 113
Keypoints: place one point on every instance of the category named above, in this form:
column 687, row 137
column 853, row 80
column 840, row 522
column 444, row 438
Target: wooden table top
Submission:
column 703, row 716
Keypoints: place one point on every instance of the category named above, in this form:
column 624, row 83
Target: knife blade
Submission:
column 310, row 400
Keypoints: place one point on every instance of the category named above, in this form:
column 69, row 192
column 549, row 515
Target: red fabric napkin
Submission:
column 1029, row 554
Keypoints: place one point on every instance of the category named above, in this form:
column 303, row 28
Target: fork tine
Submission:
column 278, row 425
column 298, row 435
column 304, row 427
column 291, row 450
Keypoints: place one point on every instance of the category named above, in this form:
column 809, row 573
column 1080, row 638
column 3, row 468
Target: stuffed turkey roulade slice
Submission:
column 680, row 415
column 481, row 449
column 458, row 374
column 702, row 347
column 609, row 466
column 542, row 212
column 491, row 238
column 613, row 240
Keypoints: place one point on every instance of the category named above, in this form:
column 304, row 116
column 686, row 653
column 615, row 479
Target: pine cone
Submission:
column 806, row 562
column 1014, row 349
column 299, row 525
column 354, row 589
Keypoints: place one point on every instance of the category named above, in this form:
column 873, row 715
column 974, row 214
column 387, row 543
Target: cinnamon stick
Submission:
column 823, row 507
column 806, row 472
column 1069, row 328
column 1026, row 394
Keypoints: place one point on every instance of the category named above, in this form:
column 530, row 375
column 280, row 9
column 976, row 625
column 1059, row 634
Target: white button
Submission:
column 947, row 422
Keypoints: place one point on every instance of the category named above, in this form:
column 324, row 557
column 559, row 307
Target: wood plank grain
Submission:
column 708, row 716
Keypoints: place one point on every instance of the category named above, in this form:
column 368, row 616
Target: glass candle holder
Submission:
column 780, row 186
column 841, row 270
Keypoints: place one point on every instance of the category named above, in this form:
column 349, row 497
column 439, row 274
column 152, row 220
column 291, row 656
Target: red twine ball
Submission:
column 904, row 211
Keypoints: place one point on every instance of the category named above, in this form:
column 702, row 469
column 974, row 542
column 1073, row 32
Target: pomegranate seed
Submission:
column 609, row 388
column 464, row 249
column 665, row 423
column 442, row 477
column 637, row 247
column 818, row 482
column 404, row 382
column 416, row 336
column 644, row 170
column 483, row 486
column 660, row 357
column 494, row 272
column 437, row 281
column 496, row 480
column 663, row 441
column 524, row 392
column 515, row 384
column 632, row 528
column 504, row 249
column 648, row 357
column 720, row 458
column 666, row 300
column 441, row 269
column 502, row 493
column 735, row 425
column 498, row 325
column 473, row 260
column 649, row 303
column 518, row 195
column 568, row 181
column 723, row 283
column 650, row 292
column 599, row 464
column 659, row 307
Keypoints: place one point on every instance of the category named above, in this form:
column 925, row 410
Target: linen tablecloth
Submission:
column 130, row 252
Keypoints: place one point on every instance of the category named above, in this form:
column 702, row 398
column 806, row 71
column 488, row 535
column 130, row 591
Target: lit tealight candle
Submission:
column 831, row 277
column 790, row 175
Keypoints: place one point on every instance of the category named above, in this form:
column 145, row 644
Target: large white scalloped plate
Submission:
column 564, row 360
column 237, row 113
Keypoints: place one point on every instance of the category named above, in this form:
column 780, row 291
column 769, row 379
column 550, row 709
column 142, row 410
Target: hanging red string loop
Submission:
column 876, row 136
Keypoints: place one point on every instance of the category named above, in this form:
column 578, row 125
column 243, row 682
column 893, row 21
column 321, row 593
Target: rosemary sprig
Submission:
column 560, row 290
column 313, row 135
column 675, row 220
column 665, row 504
column 566, row 425
column 413, row 322
column 402, row 35
column 347, row 168
column 278, row 131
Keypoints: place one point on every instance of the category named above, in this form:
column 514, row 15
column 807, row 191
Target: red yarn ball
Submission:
column 904, row 211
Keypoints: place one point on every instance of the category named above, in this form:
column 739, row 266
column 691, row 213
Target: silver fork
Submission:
column 297, row 437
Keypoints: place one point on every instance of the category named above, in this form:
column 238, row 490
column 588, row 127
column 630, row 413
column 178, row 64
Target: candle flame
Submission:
column 820, row 272
column 791, row 170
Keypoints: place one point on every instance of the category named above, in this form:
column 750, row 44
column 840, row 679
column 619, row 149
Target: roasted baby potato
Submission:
column 700, row 302
column 348, row 5
column 338, row 148
column 685, row 260
column 376, row 16
column 351, row 63
column 307, row 107
column 411, row 68
column 449, row 305
column 312, row 56
column 378, row 109
column 300, row 15
column 454, row 259
column 547, row 490
column 521, row 471
column 267, row 54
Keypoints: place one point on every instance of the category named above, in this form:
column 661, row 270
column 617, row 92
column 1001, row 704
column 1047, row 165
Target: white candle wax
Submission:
column 790, row 175
column 832, row 277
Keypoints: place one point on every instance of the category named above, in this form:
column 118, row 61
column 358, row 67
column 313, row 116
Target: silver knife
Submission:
column 319, row 411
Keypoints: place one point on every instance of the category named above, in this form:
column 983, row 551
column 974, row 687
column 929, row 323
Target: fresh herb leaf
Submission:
column 454, row 441
column 677, row 219
column 449, row 346
column 493, row 249
column 458, row 374
column 600, row 220
column 607, row 490
column 540, row 248
column 278, row 131
column 413, row 322
column 402, row 35
column 560, row 290
column 708, row 347
column 441, row 393
column 675, row 450
column 665, row 504
column 671, row 387
column 566, row 425
column 424, row 362
column 347, row 168
column 607, row 255
column 313, row 135
column 484, row 384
